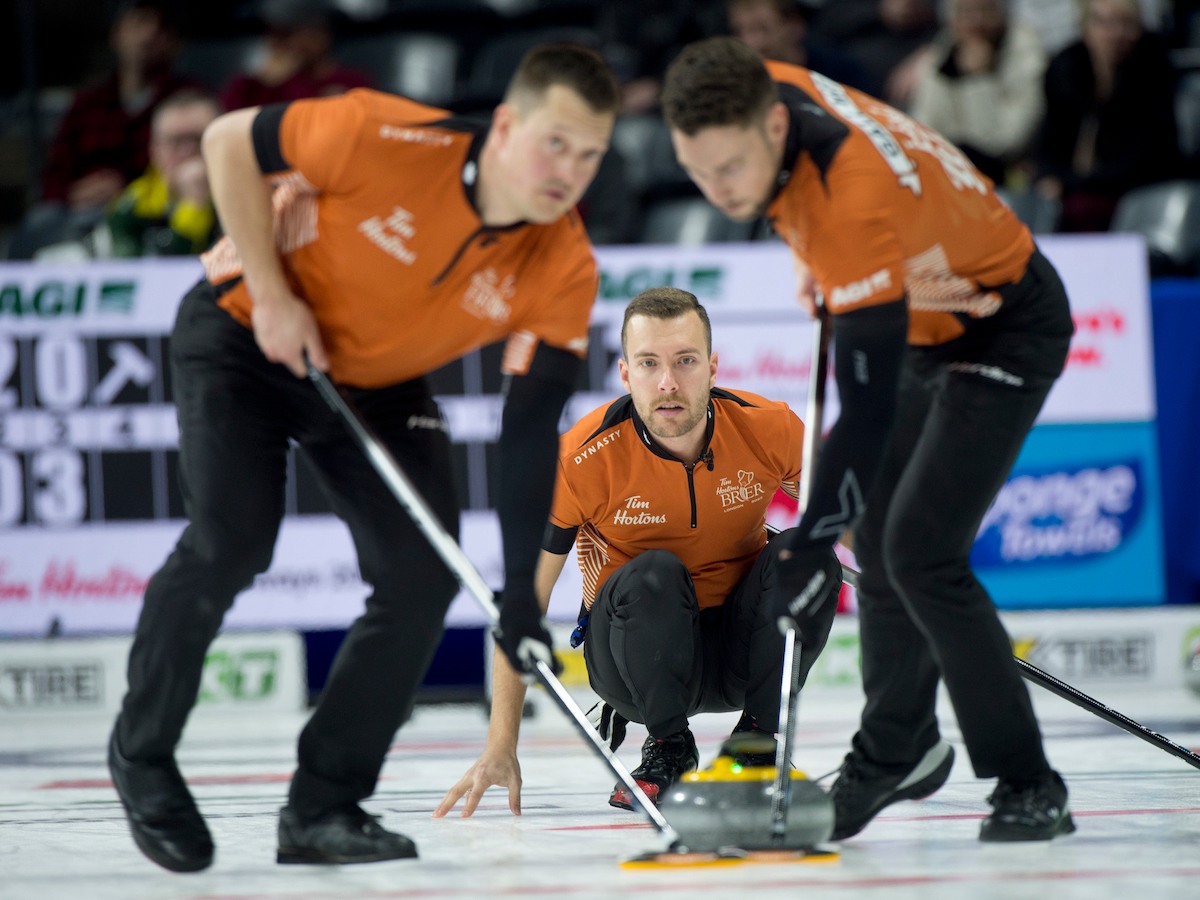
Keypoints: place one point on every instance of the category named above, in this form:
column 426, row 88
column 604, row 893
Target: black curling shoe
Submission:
column 664, row 762
column 1030, row 811
column 340, row 837
column 862, row 790
column 162, row 815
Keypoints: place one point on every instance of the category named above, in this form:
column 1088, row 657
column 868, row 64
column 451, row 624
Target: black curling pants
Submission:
column 963, row 412
column 657, row 658
column 236, row 414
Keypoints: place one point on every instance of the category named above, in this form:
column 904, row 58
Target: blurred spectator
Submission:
column 778, row 29
column 102, row 142
column 887, row 37
column 641, row 37
column 981, row 86
column 297, row 59
column 168, row 211
column 1110, row 118
column 1055, row 21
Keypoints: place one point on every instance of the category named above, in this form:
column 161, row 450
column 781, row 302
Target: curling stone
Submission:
column 729, row 804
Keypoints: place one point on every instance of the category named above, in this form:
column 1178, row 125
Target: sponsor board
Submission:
column 1109, row 375
column 1078, row 521
column 91, row 579
column 1093, row 651
column 242, row 671
column 1110, row 370
column 1110, row 647
column 89, row 506
column 100, row 297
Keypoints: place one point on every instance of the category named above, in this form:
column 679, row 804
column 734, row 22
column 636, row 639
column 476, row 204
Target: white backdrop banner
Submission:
column 87, row 431
column 763, row 341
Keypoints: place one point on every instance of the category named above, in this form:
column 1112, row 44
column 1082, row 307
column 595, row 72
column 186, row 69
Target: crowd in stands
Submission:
column 1068, row 105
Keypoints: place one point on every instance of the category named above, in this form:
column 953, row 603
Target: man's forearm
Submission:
column 243, row 202
column 508, row 704
column 508, row 690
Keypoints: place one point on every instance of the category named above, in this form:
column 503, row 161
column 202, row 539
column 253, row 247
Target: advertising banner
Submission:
column 89, row 505
column 1079, row 521
column 243, row 672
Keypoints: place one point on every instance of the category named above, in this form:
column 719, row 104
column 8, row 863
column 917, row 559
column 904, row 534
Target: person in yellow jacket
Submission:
column 168, row 210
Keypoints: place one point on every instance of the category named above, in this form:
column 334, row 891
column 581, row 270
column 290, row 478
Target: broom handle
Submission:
column 789, row 688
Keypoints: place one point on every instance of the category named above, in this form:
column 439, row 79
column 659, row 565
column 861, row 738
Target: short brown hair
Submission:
column 785, row 9
column 574, row 66
column 187, row 96
column 715, row 82
column 666, row 303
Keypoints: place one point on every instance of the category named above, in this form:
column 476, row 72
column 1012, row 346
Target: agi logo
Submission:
column 55, row 299
column 1061, row 514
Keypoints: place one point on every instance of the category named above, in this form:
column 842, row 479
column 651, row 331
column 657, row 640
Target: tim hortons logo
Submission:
column 636, row 511
column 392, row 234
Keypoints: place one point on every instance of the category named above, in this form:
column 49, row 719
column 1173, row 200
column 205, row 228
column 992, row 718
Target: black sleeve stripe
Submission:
column 469, row 124
column 558, row 540
column 722, row 394
column 618, row 411
column 264, row 131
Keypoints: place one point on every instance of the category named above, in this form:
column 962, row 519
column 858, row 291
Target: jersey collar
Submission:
column 659, row 450
column 469, row 177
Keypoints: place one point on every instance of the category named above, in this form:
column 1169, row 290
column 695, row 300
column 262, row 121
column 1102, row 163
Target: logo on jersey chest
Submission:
column 392, row 234
column 488, row 295
column 746, row 490
column 596, row 445
column 636, row 511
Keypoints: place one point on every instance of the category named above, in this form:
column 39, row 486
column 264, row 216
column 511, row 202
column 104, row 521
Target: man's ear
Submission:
column 623, row 370
column 712, row 370
column 504, row 116
column 777, row 124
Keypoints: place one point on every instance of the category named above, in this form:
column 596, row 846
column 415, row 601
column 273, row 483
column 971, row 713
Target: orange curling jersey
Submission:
column 619, row 493
column 879, row 207
column 376, row 227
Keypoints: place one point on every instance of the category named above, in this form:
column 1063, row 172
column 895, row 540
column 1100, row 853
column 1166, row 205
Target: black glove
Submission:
column 523, row 636
column 804, row 583
column 609, row 723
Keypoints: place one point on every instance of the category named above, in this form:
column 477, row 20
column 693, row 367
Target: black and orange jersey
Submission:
column 879, row 207
column 619, row 493
column 377, row 229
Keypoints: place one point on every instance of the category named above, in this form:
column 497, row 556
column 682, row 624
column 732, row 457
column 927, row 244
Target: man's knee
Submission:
column 228, row 557
column 653, row 592
column 654, row 574
column 911, row 562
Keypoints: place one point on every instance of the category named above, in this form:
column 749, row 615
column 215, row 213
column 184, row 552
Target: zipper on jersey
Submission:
column 707, row 458
column 692, row 489
column 487, row 233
